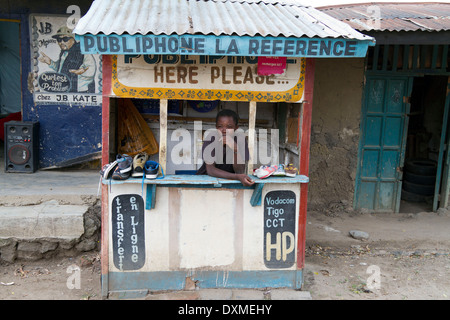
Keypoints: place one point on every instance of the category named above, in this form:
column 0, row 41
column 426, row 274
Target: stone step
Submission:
column 26, row 199
column 49, row 228
column 46, row 220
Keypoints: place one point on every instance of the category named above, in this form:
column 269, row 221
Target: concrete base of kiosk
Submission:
column 214, row 231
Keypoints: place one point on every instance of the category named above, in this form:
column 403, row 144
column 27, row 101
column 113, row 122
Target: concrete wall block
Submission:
column 29, row 246
column 29, row 255
column 8, row 252
column 6, row 242
column 86, row 245
column 29, row 250
column 47, row 220
column 67, row 244
column 47, row 246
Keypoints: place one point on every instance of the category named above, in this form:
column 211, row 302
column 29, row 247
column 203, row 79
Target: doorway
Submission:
column 426, row 145
column 10, row 78
column 404, row 117
column 10, row 87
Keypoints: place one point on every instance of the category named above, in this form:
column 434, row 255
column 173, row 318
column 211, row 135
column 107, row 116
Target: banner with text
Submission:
column 223, row 45
column 205, row 78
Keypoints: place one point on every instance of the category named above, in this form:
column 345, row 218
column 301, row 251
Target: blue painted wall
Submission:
column 66, row 133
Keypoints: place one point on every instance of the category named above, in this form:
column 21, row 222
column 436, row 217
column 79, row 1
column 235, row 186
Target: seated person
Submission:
column 224, row 155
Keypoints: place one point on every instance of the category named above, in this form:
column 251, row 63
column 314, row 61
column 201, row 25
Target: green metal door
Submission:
column 382, row 143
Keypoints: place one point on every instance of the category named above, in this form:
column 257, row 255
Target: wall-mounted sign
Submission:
column 128, row 238
column 62, row 74
column 205, row 78
column 279, row 229
column 222, row 45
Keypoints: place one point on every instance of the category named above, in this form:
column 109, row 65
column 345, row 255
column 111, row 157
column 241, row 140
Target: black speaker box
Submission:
column 21, row 146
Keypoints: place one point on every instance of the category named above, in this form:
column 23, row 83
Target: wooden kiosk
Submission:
column 158, row 233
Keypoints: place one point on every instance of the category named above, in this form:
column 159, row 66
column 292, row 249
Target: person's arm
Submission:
column 212, row 171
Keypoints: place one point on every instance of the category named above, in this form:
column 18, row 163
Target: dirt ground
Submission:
column 337, row 267
column 55, row 279
column 350, row 275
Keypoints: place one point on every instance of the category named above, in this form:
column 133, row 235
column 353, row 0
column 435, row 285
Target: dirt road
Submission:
column 359, row 273
column 406, row 257
column 329, row 275
column 56, row 279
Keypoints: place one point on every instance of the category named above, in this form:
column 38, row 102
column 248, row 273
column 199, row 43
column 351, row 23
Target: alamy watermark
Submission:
column 74, row 280
column 374, row 21
column 374, row 280
column 265, row 152
column 75, row 12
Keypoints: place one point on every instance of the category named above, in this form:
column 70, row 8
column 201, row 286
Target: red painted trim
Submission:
column 106, row 78
column 305, row 141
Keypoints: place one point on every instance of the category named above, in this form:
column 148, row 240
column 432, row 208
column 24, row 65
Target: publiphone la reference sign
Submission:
column 62, row 73
column 223, row 45
column 188, row 77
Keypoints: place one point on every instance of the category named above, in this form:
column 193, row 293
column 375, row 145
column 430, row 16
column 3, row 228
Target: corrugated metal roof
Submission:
column 284, row 18
column 393, row 16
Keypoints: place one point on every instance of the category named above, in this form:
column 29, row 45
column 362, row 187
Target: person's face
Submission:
column 65, row 42
column 226, row 123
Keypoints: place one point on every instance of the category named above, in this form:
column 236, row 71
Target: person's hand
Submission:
column 245, row 180
column 79, row 71
column 44, row 58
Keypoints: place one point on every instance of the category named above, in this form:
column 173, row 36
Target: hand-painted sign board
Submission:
column 222, row 45
column 279, row 229
column 128, row 236
column 205, row 78
column 62, row 74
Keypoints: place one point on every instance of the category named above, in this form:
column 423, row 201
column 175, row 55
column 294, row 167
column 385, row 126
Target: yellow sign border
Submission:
column 293, row 95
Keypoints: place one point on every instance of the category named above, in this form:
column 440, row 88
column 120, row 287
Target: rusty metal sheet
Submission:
column 225, row 17
column 393, row 16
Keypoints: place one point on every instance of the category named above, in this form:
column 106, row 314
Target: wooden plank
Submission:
column 251, row 136
column 416, row 52
column 192, row 180
column 292, row 130
column 10, row 20
column 282, row 110
column 192, row 119
column 385, row 57
column 395, row 58
column 150, row 198
column 423, row 57
column 106, row 76
column 255, row 200
column 441, row 150
column 446, row 174
column 376, row 53
column 405, row 57
column 305, row 141
column 444, row 57
column 434, row 57
column 163, row 134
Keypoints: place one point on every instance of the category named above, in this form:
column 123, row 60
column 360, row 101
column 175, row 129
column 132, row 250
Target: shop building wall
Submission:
column 338, row 90
column 67, row 132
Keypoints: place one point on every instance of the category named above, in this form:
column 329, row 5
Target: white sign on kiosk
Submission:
column 205, row 78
